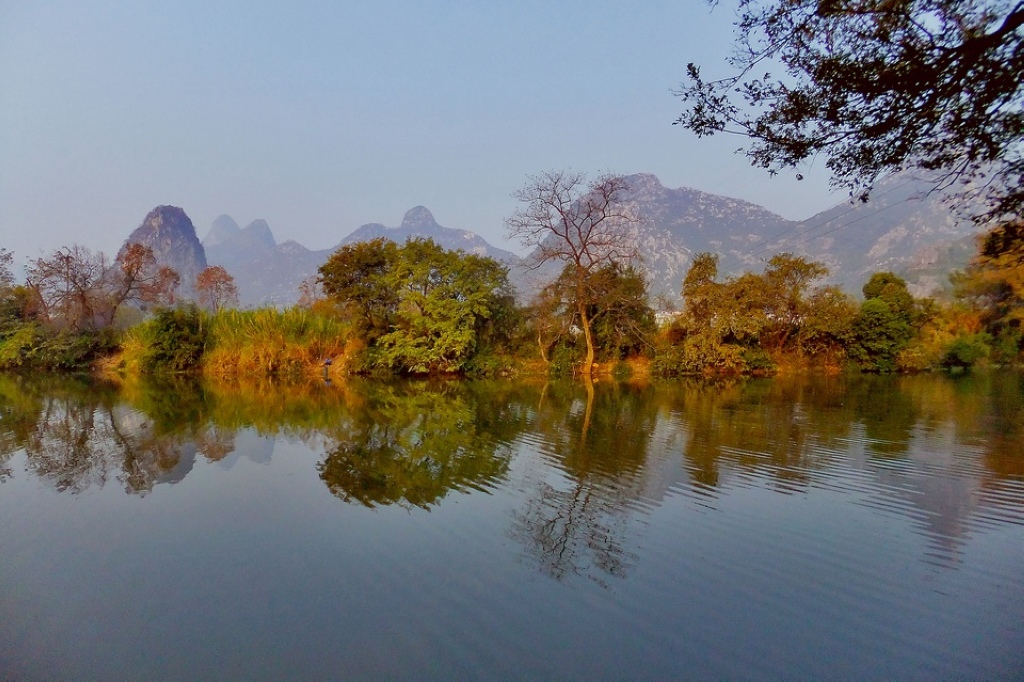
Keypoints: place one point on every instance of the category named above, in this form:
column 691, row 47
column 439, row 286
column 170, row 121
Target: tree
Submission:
column 876, row 86
column 354, row 276
column 79, row 289
column 993, row 284
column 138, row 278
column 995, row 277
column 582, row 225
column 885, row 324
column 787, row 283
column 216, row 288
column 6, row 274
column 616, row 305
column 420, row 307
column 444, row 299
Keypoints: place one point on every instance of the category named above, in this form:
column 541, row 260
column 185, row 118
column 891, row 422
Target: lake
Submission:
column 789, row 528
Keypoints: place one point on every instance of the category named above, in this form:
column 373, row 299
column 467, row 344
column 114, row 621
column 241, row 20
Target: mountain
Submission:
column 904, row 228
column 170, row 233
column 223, row 229
column 899, row 229
column 419, row 222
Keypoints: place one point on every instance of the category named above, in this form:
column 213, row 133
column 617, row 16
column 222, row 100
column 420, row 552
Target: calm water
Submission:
column 830, row 528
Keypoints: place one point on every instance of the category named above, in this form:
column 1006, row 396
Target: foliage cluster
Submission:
column 419, row 308
column 747, row 323
column 876, row 86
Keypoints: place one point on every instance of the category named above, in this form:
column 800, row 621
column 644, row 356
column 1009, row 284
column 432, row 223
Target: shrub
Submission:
column 966, row 351
column 176, row 340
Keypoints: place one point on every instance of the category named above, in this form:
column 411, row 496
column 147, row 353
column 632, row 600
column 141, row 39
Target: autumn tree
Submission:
column 582, row 225
column 216, row 288
column 749, row 321
column 993, row 284
column 138, row 278
column 79, row 289
column 876, row 86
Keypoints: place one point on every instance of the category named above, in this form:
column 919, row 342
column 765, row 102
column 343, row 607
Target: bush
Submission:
column 758, row 361
column 966, row 351
column 176, row 340
column 699, row 354
column 30, row 346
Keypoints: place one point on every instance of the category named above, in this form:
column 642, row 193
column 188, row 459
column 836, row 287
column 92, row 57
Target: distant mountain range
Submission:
column 903, row 228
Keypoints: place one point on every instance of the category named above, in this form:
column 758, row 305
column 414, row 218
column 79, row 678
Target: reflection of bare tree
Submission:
column 574, row 532
column 65, row 448
column 579, row 525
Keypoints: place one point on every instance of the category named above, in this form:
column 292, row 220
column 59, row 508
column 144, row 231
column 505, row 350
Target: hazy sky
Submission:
column 320, row 117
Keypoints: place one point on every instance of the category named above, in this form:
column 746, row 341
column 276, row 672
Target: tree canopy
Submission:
column 419, row 307
column 876, row 86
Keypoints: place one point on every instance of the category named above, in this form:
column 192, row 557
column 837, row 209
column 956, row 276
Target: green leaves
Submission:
column 422, row 308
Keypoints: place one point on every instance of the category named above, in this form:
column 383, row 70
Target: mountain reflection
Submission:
column 582, row 463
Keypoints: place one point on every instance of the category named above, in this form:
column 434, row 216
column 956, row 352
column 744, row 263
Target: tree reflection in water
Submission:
column 592, row 458
column 576, row 520
column 413, row 443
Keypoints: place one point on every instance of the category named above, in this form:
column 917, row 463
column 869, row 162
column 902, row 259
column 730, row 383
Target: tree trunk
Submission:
column 588, row 365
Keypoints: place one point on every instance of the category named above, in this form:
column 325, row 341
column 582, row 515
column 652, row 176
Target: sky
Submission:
column 321, row 117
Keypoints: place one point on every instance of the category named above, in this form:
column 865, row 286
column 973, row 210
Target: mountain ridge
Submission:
column 897, row 230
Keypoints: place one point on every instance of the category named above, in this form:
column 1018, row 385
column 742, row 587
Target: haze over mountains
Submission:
column 903, row 228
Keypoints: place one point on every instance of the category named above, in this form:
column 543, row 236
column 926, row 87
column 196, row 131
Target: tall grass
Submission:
column 261, row 342
column 271, row 342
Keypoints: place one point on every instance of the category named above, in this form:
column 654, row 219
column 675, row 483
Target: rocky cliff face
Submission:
column 170, row 233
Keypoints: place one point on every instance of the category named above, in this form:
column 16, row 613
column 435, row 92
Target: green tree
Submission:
column 616, row 306
column 876, row 86
column 622, row 318
column 885, row 324
column 584, row 226
column 354, row 276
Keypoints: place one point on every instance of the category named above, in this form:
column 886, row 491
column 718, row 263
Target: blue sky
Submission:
column 320, row 117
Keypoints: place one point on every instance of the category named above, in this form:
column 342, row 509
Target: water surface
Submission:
column 860, row 528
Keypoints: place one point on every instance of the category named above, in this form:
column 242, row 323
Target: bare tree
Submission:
column 216, row 288
column 77, row 288
column 66, row 285
column 583, row 225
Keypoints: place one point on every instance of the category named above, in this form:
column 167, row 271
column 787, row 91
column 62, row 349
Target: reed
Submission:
column 270, row 342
